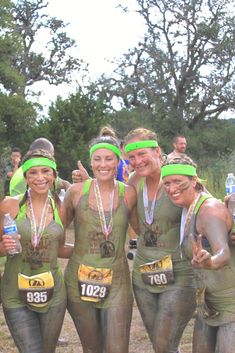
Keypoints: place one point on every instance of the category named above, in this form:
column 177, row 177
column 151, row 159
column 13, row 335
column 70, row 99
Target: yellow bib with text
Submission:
column 36, row 290
column 94, row 283
column 158, row 273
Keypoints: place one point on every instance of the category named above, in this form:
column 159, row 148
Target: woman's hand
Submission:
column 8, row 243
column 79, row 175
column 201, row 257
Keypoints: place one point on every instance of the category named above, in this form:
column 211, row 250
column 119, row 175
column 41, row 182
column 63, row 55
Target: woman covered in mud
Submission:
column 97, row 275
column 33, row 291
column 162, row 279
column 205, row 227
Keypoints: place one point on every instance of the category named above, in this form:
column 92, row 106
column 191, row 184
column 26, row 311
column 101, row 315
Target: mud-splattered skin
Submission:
column 205, row 243
column 165, row 310
column 103, row 325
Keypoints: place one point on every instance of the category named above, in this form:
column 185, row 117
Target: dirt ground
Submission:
column 139, row 341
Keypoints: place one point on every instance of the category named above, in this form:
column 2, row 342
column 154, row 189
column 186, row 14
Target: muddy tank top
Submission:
column 219, row 284
column 52, row 237
column 161, row 239
column 88, row 238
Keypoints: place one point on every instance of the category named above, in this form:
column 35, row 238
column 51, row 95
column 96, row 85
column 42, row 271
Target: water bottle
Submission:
column 62, row 195
column 230, row 184
column 10, row 228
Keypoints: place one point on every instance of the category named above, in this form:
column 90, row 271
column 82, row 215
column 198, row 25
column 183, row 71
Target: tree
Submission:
column 52, row 62
column 184, row 68
column 10, row 77
column 71, row 124
column 17, row 118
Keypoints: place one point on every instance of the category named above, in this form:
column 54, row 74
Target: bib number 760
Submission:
column 157, row 278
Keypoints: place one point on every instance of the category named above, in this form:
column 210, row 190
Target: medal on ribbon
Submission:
column 107, row 248
column 35, row 258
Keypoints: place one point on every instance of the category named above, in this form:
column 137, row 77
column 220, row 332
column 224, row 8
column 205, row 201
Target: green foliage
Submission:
column 135, row 118
column 216, row 173
column 51, row 62
column 72, row 123
column 17, row 117
column 183, row 70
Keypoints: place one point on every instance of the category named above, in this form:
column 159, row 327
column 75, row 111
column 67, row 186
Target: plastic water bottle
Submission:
column 10, row 228
column 62, row 195
column 230, row 184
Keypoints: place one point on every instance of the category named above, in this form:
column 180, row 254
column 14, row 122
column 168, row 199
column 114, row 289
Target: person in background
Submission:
column 97, row 275
column 162, row 279
column 18, row 184
column 32, row 289
column 179, row 144
column 123, row 170
column 205, row 226
column 11, row 168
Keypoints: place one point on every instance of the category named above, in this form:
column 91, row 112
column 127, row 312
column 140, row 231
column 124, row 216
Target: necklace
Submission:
column 148, row 211
column 107, row 248
column 37, row 232
column 186, row 218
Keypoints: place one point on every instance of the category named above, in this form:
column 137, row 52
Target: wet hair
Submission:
column 40, row 153
column 107, row 131
column 37, row 153
column 141, row 133
column 42, row 143
column 106, row 135
column 182, row 158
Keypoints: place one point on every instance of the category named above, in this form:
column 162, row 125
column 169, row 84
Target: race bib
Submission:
column 36, row 290
column 94, row 283
column 158, row 273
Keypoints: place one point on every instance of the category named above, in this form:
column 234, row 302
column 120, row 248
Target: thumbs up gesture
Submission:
column 79, row 175
column 201, row 257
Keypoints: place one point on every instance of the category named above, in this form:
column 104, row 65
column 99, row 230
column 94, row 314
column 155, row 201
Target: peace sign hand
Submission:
column 201, row 257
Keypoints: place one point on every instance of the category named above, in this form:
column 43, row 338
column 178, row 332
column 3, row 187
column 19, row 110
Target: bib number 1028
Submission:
column 93, row 291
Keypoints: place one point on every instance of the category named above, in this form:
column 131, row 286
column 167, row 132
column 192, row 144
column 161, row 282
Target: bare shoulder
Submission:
column 215, row 208
column 130, row 190
column 134, row 180
column 74, row 192
column 9, row 205
column 130, row 195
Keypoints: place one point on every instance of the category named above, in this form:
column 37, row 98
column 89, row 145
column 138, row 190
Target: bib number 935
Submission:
column 36, row 297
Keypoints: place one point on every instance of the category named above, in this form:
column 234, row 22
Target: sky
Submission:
column 102, row 32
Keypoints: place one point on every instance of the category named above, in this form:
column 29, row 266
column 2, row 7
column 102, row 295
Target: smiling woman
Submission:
column 205, row 227
column 33, row 290
column 97, row 276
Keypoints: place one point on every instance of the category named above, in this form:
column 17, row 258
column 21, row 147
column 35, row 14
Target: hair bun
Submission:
column 107, row 131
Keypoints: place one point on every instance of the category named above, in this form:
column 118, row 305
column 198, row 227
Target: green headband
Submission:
column 38, row 162
column 140, row 144
column 178, row 169
column 106, row 145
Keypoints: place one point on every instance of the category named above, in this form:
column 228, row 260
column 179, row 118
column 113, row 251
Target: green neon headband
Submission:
column 178, row 169
column 38, row 162
column 140, row 144
column 106, row 145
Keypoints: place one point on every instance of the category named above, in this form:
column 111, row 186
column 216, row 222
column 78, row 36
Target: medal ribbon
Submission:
column 148, row 211
column 37, row 233
column 105, row 229
column 186, row 217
